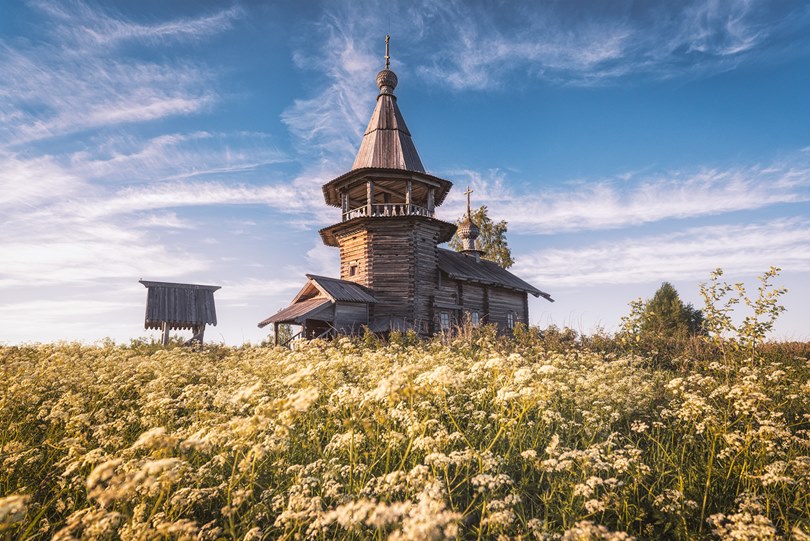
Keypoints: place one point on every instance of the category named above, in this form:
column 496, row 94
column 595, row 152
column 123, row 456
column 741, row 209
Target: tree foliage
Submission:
column 660, row 327
column 666, row 315
column 492, row 240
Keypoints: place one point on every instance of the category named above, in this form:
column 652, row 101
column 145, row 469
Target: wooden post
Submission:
column 525, row 317
column 166, row 329
column 344, row 197
column 408, row 196
column 275, row 333
column 485, row 315
column 430, row 202
column 369, row 197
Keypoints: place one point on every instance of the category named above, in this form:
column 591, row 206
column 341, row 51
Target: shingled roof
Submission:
column 336, row 290
column 296, row 313
column 387, row 142
column 181, row 305
column 461, row 267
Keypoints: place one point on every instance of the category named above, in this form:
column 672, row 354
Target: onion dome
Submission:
column 467, row 232
column 387, row 81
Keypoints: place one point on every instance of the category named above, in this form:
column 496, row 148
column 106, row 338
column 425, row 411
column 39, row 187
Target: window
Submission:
column 352, row 269
column 510, row 320
column 444, row 319
column 474, row 319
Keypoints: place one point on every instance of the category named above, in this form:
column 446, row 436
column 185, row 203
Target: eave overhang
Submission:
column 359, row 176
column 330, row 234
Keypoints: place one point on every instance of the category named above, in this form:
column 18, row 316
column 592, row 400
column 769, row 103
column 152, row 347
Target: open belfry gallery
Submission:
column 393, row 274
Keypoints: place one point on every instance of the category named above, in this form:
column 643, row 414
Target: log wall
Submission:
column 397, row 258
column 350, row 316
column 459, row 298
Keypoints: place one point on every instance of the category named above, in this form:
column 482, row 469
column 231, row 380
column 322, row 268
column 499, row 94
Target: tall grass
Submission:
column 480, row 437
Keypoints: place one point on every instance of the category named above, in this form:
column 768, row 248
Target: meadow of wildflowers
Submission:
column 478, row 437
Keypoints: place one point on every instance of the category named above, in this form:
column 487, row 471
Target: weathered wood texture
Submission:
column 396, row 258
column 386, row 180
column 387, row 141
column 388, row 238
column 181, row 306
column 350, row 317
column 459, row 299
column 462, row 267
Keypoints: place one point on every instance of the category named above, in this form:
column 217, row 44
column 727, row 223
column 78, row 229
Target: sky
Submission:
column 625, row 143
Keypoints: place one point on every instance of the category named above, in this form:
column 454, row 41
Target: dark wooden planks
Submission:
column 463, row 267
column 183, row 306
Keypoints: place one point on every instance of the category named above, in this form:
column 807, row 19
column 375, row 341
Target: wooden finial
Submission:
column 387, row 57
column 468, row 192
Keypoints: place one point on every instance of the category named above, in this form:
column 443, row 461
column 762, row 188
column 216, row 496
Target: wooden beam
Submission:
column 431, row 200
column 166, row 329
column 369, row 196
column 380, row 188
column 275, row 333
column 485, row 317
column 409, row 192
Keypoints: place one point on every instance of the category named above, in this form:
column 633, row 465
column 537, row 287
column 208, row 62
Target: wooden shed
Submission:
column 326, row 306
column 172, row 306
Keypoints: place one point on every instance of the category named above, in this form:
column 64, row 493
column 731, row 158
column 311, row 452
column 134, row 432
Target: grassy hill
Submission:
column 535, row 437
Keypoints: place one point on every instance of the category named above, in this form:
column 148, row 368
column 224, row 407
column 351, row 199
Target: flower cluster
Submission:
column 472, row 438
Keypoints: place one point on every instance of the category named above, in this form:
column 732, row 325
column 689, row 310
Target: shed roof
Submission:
column 461, row 267
column 181, row 305
column 296, row 313
column 341, row 290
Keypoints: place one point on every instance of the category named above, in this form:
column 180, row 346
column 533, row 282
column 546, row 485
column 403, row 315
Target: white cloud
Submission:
column 634, row 199
column 92, row 26
column 329, row 124
column 564, row 43
column 73, row 79
column 690, row 254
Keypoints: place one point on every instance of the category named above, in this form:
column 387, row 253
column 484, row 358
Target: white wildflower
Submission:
column 13, row 509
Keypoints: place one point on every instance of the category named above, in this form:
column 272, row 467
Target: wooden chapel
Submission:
column 393, row 274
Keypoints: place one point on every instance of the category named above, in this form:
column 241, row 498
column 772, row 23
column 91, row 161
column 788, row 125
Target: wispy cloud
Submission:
column 564, row 43
column 690, row 254
column 73, row 79
column 636, row 198
column 81, row 23
column 328, row 125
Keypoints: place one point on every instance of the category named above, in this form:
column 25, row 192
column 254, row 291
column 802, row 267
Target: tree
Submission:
column 492, row 240
column 660, row 328
column 665, row 314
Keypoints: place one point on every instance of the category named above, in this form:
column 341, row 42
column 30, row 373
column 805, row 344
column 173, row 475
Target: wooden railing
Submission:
column 388, row 209
column 288, row 342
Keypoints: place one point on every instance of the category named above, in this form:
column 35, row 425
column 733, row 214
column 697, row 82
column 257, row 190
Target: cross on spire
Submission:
column 387, row 57
column 468, row 192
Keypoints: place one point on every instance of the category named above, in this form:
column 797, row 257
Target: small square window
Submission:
column 510, row 320
column 474, row 319
column 352, row 269
column 444, row 319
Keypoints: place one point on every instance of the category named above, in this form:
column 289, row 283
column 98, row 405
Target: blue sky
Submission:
column 626, row 143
